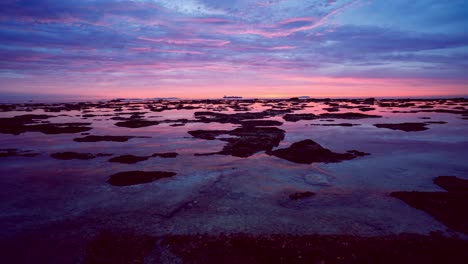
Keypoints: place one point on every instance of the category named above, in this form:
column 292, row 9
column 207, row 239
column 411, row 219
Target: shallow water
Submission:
column 219, row 193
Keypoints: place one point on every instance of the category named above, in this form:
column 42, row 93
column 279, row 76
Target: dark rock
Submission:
column 58, row 128
column 435, row 122
column 425, row 106
column 165, row 155
column 12, row 152
column 334, row 249
column 365, row 109
column 136, row 123
column 128, row 159
column 207, row 134
column 297, row 117
column 300, row 195
column 74, row 155
column 358, row 153
column 340, row 124
column 237, row 118
column 349, row 115
column 448, row 207
column 119, row 248
column 93, row 138
column 137, row 177
column 332, row 109
column 248, row 141
column 28, row 123
column 407, row 127
column 452, row 184
column 308, row 152
column 251, row 123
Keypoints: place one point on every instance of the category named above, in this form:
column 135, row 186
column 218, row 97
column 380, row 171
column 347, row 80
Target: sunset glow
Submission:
column 208, row 48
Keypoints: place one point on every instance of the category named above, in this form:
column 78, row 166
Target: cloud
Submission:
column 163, row 43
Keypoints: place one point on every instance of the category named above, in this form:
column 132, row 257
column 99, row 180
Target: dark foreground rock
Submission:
column 407, row 127
column 451, row 208
column 247, row 141
column 245, row 248
column 119, row 248
column 308, row 152
column 65, row 244
column 75, row 155
column 12, row 152
column 241, row 248
column 137, row 177
column 93, row 138
column 301, row 195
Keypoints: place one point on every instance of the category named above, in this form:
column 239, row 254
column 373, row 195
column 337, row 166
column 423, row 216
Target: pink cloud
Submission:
column 188, row 41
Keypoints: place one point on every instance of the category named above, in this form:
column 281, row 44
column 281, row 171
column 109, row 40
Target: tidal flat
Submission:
column 235, row 181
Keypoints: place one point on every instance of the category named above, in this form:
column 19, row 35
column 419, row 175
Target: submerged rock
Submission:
column 128, row 159
column 407, row 127
column 448, row 207
column 301, row 195
column 237, row 118
column 349, row 115
column 29, row 123
column 75, row 155
column 136, row 123
column 93, row 138
column 12, row 152
column 298, row 117
column 340, row 124
column 138, row 177
column 308, row 152
column 165, row 155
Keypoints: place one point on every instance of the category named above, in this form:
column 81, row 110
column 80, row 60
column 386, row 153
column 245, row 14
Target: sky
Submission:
column 250, row 48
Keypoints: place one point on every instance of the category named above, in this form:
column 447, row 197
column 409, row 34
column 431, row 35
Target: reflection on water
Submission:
column 220, row 193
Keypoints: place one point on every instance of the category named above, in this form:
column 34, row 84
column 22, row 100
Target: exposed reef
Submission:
column 31, row 123
column 136, row 123
column 448, row 207
column 248, row 140
column 308, row 152
column 407, row 127
column 137, row 177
